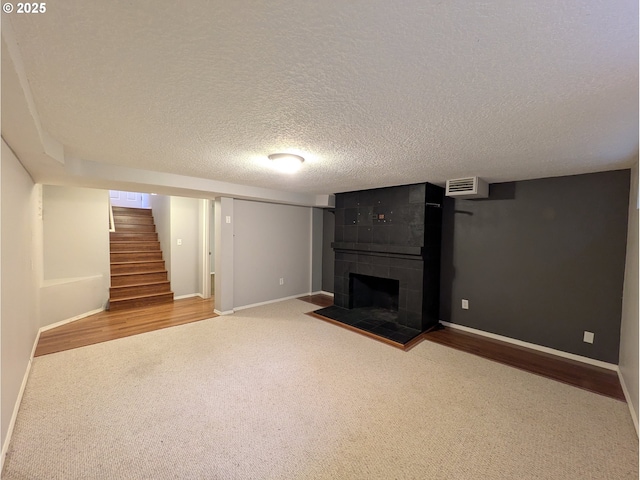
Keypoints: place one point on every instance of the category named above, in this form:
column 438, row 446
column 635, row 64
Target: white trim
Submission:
column 322, row 292
column 66, row 280
column 205, row 247
column 311, row 249
column 69, row 320
column 226, row 312
column 16, row 407
column 634, row 415
column 533, row 346
column 190, row 295
column 35, row 345
column 244, row 307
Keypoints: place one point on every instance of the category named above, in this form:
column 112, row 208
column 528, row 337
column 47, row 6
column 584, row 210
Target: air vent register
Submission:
column 470, row 187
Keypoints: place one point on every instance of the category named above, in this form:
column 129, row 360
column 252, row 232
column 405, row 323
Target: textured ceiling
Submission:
column 371, row 93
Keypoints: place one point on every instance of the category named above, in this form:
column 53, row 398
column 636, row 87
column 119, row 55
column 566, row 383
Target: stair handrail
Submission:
column 112, row 225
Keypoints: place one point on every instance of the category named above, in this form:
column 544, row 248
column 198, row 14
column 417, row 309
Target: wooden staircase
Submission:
column 138, row 274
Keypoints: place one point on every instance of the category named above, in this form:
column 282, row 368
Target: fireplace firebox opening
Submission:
column 368, row 291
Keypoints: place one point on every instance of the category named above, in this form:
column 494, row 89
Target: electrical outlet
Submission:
column 227, row 218
column 465, row 304
column 282, row 281
column 588, row 337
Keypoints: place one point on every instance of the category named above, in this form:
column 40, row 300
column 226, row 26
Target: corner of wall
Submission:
column 19, row 319
column 629, row 329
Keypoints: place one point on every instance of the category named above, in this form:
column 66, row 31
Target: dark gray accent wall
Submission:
column 317, row 243
column 540, row 261
column 328, row 256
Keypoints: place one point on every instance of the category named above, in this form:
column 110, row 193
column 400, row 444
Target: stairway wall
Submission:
column 19, row 291
column 184, row 258
column 161, row 207
column 76, row 242
column 178, row 218
column 75, row 267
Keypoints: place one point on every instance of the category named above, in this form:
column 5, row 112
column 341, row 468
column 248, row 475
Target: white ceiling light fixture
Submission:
column 286, row 162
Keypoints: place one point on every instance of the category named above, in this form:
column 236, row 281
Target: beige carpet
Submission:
column 270, row 393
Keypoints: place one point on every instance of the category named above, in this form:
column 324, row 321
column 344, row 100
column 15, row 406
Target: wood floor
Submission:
column 107, row 326
column 578, row 374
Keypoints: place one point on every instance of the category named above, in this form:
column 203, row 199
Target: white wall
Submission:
column 18, row 291
column 224, row 256
column 628, row 362
column 179, row 218
column 270, row 242
column 212, row 237
column 161, row 209
column 75, row 243
column 76, row 231
column 185, row 261
column 204, row 248
column 67, row 298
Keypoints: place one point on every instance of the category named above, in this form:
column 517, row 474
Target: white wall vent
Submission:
column 470, row 187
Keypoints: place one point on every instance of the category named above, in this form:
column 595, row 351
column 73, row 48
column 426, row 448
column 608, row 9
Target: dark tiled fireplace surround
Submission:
column 387, row 260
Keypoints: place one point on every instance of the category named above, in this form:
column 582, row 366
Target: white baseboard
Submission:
column 35, row 345
column 322, row 292
column 190, row 295
column 16, row 407
column 226, row 312
column 244, row 307
column 69, row 320
column 634, row 414
column 533, row 346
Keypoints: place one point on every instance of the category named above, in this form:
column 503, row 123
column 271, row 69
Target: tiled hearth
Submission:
column 373, row 320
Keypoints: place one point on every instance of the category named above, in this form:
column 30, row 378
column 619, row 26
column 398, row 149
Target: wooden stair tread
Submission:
column 125, row 217
column 144, row 254
column 131, row 242
column 132, row 236
column 140, row 211
column 162, row 282
column 124, row 274
column 137, row 251
column 136, row 261
column 134, row 227
column 148, row 295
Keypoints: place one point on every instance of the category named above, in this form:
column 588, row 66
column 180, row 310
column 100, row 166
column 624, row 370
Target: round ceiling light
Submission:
column 286, row 162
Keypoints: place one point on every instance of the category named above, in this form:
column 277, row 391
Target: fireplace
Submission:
column 376, row 292
column 387, row 260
